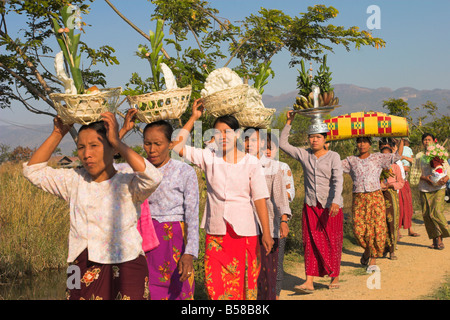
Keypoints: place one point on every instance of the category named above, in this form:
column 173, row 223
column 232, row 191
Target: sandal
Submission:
column 364, row 261
column 414, row 234
column 440, row 246
column 434, row 245
column 302, row 289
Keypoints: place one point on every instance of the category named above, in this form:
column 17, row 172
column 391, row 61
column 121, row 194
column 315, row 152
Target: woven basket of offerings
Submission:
column 88, row 107
column 161, row 105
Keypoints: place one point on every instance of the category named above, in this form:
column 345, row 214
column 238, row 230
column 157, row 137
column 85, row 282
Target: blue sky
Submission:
column 416, row 54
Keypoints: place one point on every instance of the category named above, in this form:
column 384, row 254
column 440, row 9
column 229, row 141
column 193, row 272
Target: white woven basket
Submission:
column 161, row 105
column 228, row 101
column 255, row 117
column 86, row 108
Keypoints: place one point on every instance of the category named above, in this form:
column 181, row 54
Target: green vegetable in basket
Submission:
column 263, row 73
column 68, row 42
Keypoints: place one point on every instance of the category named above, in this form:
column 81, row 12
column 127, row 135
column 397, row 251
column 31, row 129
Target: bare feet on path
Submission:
column 417, row 273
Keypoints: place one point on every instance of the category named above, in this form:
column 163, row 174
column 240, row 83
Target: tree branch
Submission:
column 29, row 64
column 142, row 33
column 29, row 86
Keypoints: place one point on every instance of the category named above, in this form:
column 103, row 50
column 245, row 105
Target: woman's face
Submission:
column 95, row 153
column 427, row 141
column 225, row 137
column 316, row 141
column 252, row 144
column 363, row 146
column 272, row 151
column 157, row 146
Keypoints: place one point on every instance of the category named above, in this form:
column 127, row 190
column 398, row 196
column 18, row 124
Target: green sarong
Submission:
column 433, row 214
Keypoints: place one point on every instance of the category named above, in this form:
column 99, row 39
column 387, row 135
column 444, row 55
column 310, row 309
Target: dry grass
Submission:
column 33, row 226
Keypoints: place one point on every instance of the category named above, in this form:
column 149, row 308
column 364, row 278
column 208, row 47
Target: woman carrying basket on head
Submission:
column 368, row 208
column 322, row 224
column 234, row 180
column 174, row 211
column 104, row 242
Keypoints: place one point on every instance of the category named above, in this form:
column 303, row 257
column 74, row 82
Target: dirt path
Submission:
column 417, row 273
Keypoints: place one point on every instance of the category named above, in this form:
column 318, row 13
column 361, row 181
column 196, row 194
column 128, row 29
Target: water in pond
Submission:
column 47, row 285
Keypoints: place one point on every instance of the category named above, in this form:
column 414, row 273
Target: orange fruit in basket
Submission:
column 92, row 89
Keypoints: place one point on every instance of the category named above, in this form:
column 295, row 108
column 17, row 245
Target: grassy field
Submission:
column 34, row 227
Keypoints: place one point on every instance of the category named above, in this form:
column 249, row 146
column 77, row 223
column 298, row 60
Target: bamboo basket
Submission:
column 255, row 117
column 161, row 105
column 225, row 102
column 86, row 108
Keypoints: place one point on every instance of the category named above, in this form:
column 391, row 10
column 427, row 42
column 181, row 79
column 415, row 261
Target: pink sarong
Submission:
column 406, row 206
column 322, row 241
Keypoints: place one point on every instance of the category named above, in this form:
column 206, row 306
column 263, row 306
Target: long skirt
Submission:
column 267, row 280
column 406, row 206
column 280, row 268
column 392, row 219
column 369, row 221
column 121, row 281
column 322, row 241
column 433, row 214
column 164, row 279
column 232, row 265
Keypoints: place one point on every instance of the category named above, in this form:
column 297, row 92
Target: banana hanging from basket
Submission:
column 325, row 99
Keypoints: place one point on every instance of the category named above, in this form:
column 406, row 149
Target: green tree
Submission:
column 22, row 55
column 398, row 107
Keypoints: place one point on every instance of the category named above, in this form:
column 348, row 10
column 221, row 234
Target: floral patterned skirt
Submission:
column 164, row 280
column 121, row 281
column 369, row 221
column 232, row 265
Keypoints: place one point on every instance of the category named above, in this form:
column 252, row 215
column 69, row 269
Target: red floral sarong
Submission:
column 232, row 265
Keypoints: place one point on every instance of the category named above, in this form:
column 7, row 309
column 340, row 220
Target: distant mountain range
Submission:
column 352, row 99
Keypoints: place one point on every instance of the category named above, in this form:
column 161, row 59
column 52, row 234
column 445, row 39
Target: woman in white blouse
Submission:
column 104, row 242
column 234, row 180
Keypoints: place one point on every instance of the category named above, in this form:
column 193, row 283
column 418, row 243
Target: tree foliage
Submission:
column 24, row 75
column 428, row 119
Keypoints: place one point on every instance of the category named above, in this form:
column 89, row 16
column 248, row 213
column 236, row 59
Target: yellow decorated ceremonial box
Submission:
column 366, row 124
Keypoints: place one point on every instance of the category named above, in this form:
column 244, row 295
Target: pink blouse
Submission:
column 230, row 191
column 397, row 181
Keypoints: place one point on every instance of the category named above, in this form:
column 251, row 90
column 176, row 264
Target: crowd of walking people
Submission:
column 134, row 226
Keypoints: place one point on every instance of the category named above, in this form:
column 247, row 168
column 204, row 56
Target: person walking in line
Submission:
column 322, row 222
column 174, row 210
column 404, row 194
column 234, row 180
column 432, row 198
column 278, row 208
column 391, row 183
column 368, row 207
column 104, row 242
column 272, row 153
